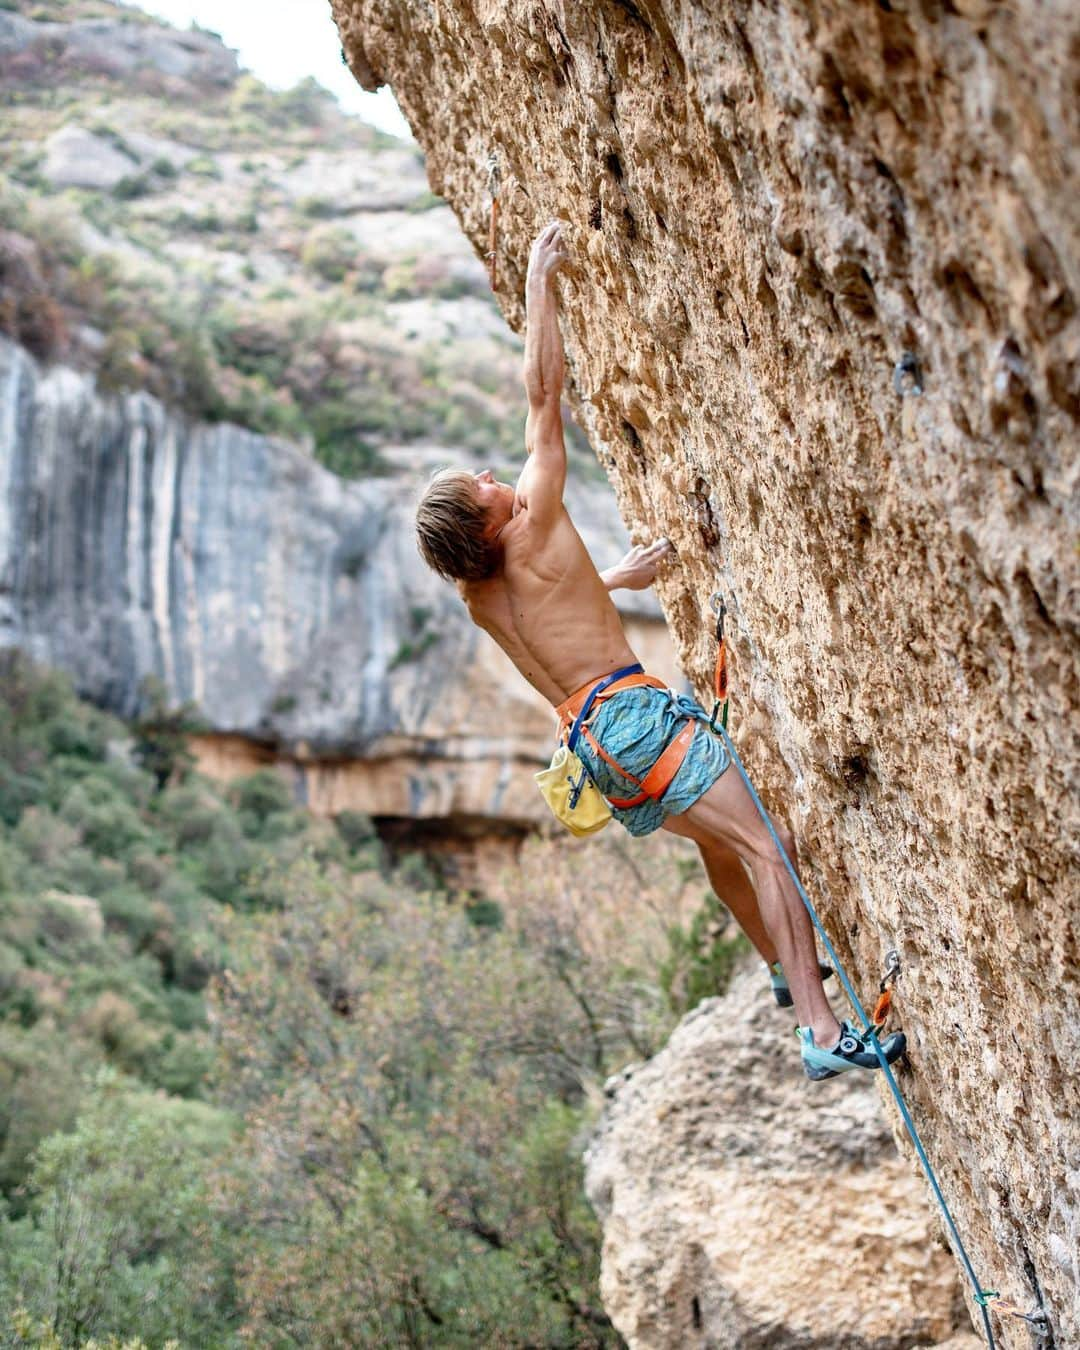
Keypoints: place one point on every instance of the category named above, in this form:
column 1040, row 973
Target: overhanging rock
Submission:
column 821, row 324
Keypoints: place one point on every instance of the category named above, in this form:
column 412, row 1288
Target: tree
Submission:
column 161, row 733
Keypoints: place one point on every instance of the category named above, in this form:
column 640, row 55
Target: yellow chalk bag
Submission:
column 574, row 798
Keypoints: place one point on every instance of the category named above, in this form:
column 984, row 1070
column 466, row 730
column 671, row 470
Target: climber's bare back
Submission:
column 548, row 608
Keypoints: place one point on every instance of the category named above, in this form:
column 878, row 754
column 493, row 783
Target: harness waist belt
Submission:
column 604, row 687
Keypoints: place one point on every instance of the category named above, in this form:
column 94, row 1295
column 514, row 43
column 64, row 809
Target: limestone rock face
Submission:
column 743, row 1208
column 821, row 322
column 288, row 604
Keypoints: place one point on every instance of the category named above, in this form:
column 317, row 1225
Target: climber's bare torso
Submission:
column 548, row 608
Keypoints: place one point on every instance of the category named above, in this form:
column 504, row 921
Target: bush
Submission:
column 162, row 733
column 107, row 823
column 701, row 957
column 120, row 1204
column 329, row 251
column 262, row 795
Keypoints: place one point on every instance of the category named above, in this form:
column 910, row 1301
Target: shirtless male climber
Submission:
column 527, row 580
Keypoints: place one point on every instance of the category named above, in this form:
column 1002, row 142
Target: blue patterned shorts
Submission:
column 634, row 726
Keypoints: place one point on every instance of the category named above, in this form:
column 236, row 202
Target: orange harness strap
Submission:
column 659, row 778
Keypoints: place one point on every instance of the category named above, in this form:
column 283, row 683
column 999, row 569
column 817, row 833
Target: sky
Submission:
column 283, row 42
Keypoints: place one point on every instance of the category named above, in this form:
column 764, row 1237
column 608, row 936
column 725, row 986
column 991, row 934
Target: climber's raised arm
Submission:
column 540, row 487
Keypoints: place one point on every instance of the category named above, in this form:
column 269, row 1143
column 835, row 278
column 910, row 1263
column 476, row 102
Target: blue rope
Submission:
column 982, row 1296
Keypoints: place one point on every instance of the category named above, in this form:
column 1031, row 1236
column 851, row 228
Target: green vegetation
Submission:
column 259, row 1087
column 215, row 289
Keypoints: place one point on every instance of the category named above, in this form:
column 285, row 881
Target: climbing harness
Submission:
column 580, row 704
column 985, row 1298
column 566, row 786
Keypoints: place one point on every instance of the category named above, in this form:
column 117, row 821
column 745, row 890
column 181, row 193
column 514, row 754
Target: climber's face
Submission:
column 496, row 499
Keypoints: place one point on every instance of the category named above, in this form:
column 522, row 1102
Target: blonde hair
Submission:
column 450, row 525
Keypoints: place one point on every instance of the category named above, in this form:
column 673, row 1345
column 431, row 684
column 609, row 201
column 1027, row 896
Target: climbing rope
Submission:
column 983, row 1297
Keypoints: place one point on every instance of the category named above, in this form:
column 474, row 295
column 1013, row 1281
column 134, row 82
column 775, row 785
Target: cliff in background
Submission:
column 822, row 327
column 230, row 290
column 288, row 604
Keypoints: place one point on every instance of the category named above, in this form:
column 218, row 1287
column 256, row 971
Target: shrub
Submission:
column 131, row 186
column 355, row 828
column 701, row 956
column 108, row 824
column 262, row 794
column 329, row 251
column 161, row 733
column 120, row 1205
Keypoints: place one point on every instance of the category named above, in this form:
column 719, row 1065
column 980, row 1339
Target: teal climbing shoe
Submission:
column 779, row 983
column 852, row 1051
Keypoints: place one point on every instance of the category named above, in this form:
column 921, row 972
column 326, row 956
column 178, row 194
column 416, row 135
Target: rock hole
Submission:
column 695, row 1312
column 630, row 224
column 1060, row 311
column 960, row 288
column 614, row 167
column 766, row 296
column 710, row 535
column 661, row 222
column 839, row 108
column 754, row 506
column 630, row 436
column 1031, row 596
column 745, row 332
column 896, row 55
column 1063, row 381
column 596, row 215
column 855, row 287
column 632, row 12
column 960, row 418
column 856, row 772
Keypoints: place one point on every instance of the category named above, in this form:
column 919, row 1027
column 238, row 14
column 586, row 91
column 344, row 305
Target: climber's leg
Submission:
column 725, row 817
column 729, row 880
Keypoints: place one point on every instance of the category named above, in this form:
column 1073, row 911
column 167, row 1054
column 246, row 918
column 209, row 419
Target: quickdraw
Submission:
column 720, row 676
column 882, row 1007
column 990, row 1298
column 493, row 189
